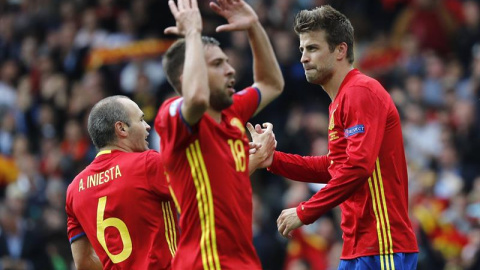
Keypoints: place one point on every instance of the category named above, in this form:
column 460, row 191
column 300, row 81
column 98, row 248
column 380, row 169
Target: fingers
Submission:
column 222, row 3
column 286, row 232
column 282, row 225
column 216, row 8
column 181, row 5
column 268, row 127
column 173, row 8
column 172, row 30
column 194, row 4
column 250, row 128
column 254, row 146
column 225, row 28
column 258, row 129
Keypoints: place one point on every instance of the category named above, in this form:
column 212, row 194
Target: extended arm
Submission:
column 266, row 70
column 84, row 256
column 299, row 168
column 195, row 90
column 312, row 169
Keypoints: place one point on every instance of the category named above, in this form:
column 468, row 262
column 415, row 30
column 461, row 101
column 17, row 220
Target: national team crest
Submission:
column 331, row 123
column 237, row 123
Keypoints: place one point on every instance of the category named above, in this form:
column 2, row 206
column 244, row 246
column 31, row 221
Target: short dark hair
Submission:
column 174, row 59
column 102, row 119
column 337, row 27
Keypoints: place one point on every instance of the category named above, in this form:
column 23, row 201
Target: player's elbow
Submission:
column 198, row 102
column 363, row 172
column 278, row 85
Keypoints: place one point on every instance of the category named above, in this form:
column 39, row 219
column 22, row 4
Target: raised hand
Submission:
column 187, row 17
column 240, row 15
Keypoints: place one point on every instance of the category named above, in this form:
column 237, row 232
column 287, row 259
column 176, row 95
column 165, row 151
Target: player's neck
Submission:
column 333, row 85
column 115, row 147
column 216, row 115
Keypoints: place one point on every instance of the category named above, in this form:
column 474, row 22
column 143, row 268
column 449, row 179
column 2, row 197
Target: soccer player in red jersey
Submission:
column 365, row 169
column 120, row 207
column 203, row 138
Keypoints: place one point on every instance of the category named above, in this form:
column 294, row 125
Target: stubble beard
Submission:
column 220, row 100
column 321, row 77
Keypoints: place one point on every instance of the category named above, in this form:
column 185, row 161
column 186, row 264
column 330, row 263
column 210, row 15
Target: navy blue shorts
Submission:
column 395, row 261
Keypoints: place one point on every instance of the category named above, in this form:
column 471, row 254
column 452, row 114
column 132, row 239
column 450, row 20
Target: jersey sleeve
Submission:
column 312, row 169
column 364, row 118
column 155, row 174
column 74, row 229
column 170, row 118
column 246, row 102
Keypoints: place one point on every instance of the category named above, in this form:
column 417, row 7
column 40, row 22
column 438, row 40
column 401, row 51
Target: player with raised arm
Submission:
column 203, row 136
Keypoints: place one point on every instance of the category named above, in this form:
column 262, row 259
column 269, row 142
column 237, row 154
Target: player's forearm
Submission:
column 195, row 88
column 252, row 164
column 312, row 169
column 266, row 69
column 348, row 179
column 92, row 263
column 84, row 255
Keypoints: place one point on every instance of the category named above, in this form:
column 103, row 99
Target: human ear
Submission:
column 341, row 49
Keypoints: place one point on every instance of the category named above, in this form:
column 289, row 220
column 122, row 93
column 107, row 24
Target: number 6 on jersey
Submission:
column 102, row 224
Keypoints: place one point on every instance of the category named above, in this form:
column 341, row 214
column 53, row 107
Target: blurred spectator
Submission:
column 422, row 137
column 21, row 244
column 430, row 21
column 469, row 33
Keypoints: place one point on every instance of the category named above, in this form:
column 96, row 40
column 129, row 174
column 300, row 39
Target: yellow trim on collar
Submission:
column 103, row 152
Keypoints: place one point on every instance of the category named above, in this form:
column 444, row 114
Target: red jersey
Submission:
column 121, row 202
column 207, row 167
column 365, row 171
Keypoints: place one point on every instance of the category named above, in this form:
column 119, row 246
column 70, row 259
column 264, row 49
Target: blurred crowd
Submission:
column 425, row 52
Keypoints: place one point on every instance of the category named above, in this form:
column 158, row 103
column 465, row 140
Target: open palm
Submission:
column 187, row 17
column 240, row 16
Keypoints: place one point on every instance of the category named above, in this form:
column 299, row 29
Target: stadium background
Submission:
column 57, row 58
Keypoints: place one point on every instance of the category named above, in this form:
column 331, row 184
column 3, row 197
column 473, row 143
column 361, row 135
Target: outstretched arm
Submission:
column 195, row 90
column 312, row 169
column 299, row 168
column 267, row 74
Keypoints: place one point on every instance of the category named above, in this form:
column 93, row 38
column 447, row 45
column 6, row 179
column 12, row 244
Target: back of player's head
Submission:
column 337, row 27
column 174, row 59
column 102, row 119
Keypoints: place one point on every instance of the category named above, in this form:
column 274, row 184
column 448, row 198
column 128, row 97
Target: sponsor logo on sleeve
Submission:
column 354, row 130
column 174, row 107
